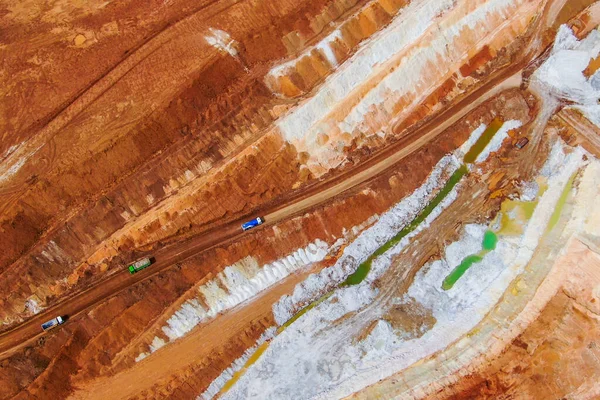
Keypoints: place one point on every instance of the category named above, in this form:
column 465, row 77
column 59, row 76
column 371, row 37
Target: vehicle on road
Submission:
column 140, row 265
column 53, row 323
column 252, row 223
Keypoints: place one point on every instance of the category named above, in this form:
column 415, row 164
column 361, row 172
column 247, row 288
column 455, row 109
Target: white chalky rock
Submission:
column 234, row 285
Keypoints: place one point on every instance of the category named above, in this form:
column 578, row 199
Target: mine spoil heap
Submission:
column 300, row 199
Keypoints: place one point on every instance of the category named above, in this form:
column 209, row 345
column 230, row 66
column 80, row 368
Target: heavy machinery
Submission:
column 53, row 323
column 521, row 143
column 140, row 265
column 252, row 223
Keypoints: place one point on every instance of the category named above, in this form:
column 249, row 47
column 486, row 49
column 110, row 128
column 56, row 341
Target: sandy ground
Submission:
column 159, row 373
column 200, row 343
column 176, row 253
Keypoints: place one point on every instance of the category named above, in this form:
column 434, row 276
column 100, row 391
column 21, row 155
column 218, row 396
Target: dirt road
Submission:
column 300, row 202
column 201, row 342
column 317, row 194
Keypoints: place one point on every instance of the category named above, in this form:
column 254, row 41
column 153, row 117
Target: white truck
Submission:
column 53, row 323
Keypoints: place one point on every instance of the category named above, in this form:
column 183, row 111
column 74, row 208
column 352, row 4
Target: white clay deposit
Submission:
column 235, row 284
column 314, row 358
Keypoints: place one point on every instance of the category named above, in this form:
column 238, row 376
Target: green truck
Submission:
column 139, row 265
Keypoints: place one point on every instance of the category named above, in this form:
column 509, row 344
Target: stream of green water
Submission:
column 363, row 269
column 490, row 239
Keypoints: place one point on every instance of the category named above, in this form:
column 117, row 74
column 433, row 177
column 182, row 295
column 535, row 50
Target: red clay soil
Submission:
column 121, row 140
column 127, row 112
column 118, row 330
column 557, row 355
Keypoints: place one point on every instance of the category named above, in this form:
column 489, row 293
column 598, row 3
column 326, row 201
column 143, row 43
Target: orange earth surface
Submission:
column 381, row 141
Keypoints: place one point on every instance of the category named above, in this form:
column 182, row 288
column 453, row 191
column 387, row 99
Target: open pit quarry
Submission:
column 426, row 174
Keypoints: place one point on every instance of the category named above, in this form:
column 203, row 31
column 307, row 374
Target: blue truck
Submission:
column 252, row 223
column 53, row 323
